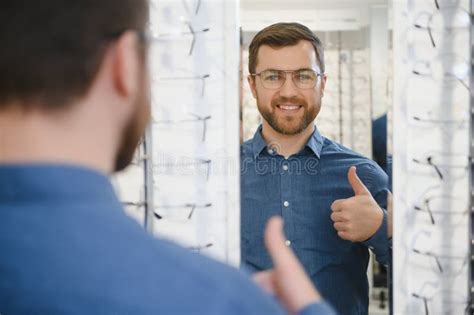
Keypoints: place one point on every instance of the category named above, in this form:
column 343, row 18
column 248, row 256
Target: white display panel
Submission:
column 431, row 156
column 194, row 133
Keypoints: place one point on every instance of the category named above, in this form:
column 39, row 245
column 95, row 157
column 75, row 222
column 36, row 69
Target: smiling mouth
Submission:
column 289, row 107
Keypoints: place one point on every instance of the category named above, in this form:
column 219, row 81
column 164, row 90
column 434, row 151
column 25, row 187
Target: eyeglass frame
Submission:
column 318, row 74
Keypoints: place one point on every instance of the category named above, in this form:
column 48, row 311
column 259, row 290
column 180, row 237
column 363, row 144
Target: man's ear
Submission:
column 324, row 79
column 253, row 87
column 126, row 65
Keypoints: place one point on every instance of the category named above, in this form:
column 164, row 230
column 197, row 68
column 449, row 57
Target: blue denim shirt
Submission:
column 67, row 247
column 301, row 189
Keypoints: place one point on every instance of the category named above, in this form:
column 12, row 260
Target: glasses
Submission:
column 425, row 301
column 189, row 10
column 195, row 6
column 450, row 307
column 460, row 123
column 303, row 79
column 193, row 33
column 446, row 166
column 184, row 166
column 192, row 78
column 197, row 118
column 434, row 255
column 445, row 263
column 449, row 128
column 434, row 207
column 199, row 248
column 190, row 206
column 170, row 36
column 446, row 68
column 446, row 21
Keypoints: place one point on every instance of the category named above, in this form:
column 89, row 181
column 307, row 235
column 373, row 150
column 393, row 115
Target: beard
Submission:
column 134, row 130
column 289, row 125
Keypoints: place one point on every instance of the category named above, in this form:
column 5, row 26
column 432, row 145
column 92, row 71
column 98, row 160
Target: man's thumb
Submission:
column 275, row 243
column 356, row 184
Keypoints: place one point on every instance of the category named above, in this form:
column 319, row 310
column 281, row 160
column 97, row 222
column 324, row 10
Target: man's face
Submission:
column 288, row 110
column 136, row 126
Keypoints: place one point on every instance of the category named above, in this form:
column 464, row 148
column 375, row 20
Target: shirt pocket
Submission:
column 315, row 232
column 314, row 227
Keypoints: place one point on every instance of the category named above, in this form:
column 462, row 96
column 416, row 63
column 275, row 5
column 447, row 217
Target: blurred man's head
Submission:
column 86, row 57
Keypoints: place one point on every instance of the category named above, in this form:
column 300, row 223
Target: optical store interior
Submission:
column 351, row 120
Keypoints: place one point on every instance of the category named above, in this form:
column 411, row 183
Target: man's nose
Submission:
column 288, row 89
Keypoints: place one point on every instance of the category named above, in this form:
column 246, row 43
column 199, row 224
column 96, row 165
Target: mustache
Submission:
column 290, row 100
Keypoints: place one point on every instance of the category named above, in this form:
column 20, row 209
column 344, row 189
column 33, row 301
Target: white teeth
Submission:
column 289, row 107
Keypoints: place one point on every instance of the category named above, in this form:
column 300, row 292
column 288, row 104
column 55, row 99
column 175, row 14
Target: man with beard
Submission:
column 73, row 106
column 321, row 189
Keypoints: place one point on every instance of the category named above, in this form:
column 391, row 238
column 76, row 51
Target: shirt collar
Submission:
column 315, row 142
column 258, row 144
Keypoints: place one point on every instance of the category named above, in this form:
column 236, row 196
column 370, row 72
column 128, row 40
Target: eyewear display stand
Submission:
column 471, row 168
column 184, row 183
column 432, row 148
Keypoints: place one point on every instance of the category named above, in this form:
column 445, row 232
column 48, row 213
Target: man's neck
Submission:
column 286, row 145
column 35, row 137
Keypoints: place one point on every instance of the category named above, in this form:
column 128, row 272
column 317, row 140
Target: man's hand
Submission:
column 357, row 218
column 287, row 280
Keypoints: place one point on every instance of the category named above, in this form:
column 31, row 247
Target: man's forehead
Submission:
column 299, row 56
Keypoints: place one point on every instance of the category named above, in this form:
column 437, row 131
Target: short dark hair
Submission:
column 51, row 50
column 282, row 35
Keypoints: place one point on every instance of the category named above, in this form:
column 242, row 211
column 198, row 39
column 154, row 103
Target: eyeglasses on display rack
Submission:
column 445, row 68
column 187, row 78
column 459, row 123
column 446, row 166
column 200, row 248
column 187, row 206
column 445, row 265
column 191, row 31
column 446, row 21
column 183, row 166
column 449, row 128
column 197, row 6
column 451, row 307
column 197, row 119
column 187, row 7
column 171, row 36
column 433, row 206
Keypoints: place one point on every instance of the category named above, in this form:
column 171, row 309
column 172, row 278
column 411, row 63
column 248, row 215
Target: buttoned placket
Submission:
column 286, row 199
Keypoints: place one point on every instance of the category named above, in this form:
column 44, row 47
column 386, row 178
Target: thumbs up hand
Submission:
column 287, row 280
column 357, row 218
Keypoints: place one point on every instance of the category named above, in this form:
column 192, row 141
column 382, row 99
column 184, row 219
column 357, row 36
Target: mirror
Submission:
column 357, row 58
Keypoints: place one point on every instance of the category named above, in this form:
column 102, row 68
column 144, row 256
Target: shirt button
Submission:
column 286, row 203
column 285, row 167
column 288, row 243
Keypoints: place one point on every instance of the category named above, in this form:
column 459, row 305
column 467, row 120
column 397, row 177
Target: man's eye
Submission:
column 304, row 76
column 272, row 77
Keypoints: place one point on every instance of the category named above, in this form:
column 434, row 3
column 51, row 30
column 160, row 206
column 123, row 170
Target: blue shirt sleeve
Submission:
column 377, row 183
column 379, row 242
column 321, row 308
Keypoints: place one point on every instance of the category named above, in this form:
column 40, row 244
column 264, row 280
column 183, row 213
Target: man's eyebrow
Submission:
column 304, row 68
